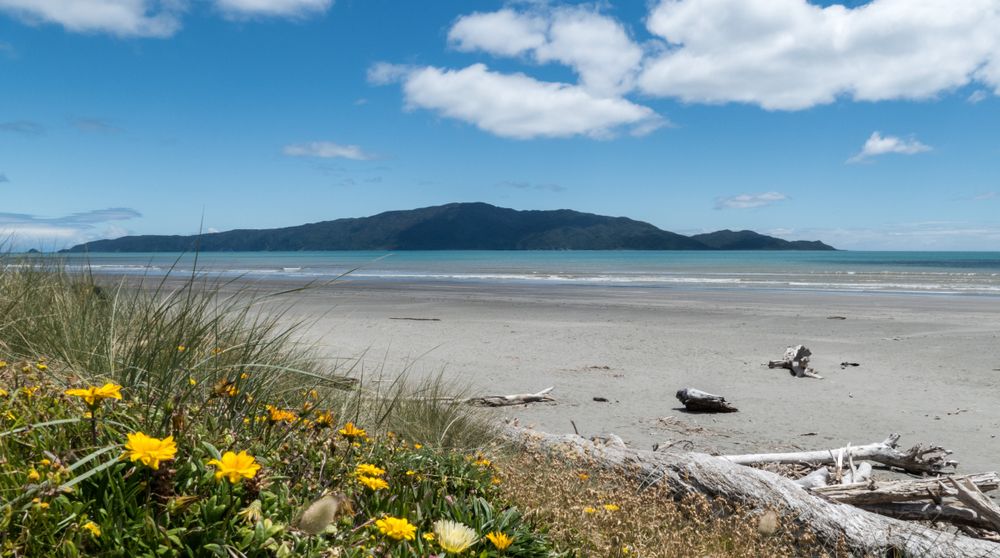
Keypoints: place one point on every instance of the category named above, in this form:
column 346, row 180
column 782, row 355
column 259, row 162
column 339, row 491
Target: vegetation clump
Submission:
column 174, row 420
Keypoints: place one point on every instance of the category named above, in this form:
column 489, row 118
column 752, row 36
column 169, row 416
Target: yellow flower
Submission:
column 234, row 466
column 94, row 395
column 582, row 476
column 496, row 480
column 41, row 505
column 367, row 469
column 3, row 393
column 374, row 483
column 611, row 507
column 428, row 536
column 323, row 420
column 45, row 462
column 397, row 527
column 29, row 390
column 192, row 381
column 181, row 348
column 42, row 366
column 453, row 536
column 589, row 509
column 150, row 451
column 216, row 351
column 33, row 475
column 3, row 364
column 418, row 446
column 351, row 431
column 275, row 414
column 94, row 528
column 499, row 540
column 483, row 462
column 410, row 473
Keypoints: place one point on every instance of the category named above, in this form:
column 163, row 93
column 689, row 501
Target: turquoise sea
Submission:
column 971, row 273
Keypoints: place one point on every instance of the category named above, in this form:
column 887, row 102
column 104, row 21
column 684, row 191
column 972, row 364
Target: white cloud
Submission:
column 792, row 54
column 272, row 8
column 746, row 201
column 19, row 230
column 125, row 18
column 986, row 196
column 327, row 150
column 878, row 144
column 597, row 47
column 384, row 73
column 977, row 96
column 518, row 106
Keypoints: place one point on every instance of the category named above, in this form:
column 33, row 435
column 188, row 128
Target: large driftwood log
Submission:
column 919, row 459
column 508, row 400
column 697, row 473
column 876, row 492
column 796, row 361
column 702, row 402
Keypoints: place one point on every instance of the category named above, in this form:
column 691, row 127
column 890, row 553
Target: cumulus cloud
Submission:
column 23, row 127
column 597, row 47
column 272, row 8
column 521, row 107
column 327, row 150
column 746, row 201
column 793, row 54
column 878, row 144
column 125, row 18
column 24, row 230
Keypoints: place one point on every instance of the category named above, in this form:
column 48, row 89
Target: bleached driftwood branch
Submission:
column 697, row 473
column 796, row 360
column 508, row 400
column 876, row 492
column 919, row 459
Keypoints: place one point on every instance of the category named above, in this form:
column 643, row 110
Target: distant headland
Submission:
column 456, row 226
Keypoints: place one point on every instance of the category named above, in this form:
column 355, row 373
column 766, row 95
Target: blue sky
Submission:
column 867, row 125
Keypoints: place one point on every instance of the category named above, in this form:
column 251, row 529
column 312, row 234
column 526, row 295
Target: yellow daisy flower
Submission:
column 94, row 395
column 500, row 540
column 398, row 528
column 235, row 466
column 150, row 451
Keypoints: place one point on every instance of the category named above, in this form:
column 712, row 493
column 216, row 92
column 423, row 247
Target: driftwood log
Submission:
column 700, row 401
column 796, row 361
column 871, row 493
column 508, row 400
column 919, row 459
column 697, row 473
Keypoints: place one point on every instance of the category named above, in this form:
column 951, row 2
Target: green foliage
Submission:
column 217, row 376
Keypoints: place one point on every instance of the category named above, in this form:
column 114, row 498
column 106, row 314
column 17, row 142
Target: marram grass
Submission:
column 171, row 419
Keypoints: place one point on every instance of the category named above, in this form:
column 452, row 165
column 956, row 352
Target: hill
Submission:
column 455, row 226
column 749, row 240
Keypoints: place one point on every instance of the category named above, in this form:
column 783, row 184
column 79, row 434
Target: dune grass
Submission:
column 177, row 418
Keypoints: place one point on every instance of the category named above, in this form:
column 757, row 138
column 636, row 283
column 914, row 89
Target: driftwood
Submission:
column 970, row 494
column 796, row 361
column 919, row 459
column 871, row 493
column 700, row 401
column 697, row 473
column 508, row 400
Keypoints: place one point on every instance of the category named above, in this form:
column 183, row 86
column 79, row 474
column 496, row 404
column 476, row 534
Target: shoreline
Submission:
column 928, row 364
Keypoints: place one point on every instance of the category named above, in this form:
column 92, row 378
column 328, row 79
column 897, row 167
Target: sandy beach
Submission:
column 929, row 365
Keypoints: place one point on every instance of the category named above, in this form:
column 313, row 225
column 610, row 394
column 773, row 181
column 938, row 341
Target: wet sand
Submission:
column 929, row 365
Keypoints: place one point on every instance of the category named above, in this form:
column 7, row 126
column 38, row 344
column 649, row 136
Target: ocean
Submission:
column 930, row 273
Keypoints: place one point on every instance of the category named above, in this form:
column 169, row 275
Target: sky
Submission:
column 868, row 125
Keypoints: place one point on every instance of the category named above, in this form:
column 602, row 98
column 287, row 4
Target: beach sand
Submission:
column 928, row 364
